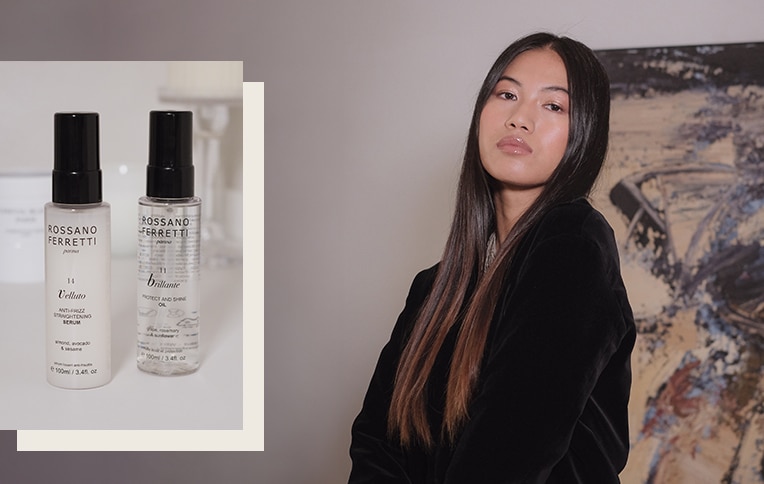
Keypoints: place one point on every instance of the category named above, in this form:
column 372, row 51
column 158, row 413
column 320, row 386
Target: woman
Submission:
column 511, row 359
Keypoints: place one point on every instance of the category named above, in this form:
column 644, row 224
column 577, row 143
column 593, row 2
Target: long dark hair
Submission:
column 460, row 272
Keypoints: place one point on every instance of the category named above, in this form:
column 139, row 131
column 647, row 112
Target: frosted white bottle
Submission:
column 77, row 260
column 169, row 232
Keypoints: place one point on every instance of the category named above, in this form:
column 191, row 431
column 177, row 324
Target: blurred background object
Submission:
column 22, row 196
column 213, row 91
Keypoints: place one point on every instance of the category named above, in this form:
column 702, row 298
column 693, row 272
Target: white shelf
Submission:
column 209, row 399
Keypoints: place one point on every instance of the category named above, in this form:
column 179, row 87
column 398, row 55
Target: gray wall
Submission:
column 367, row 107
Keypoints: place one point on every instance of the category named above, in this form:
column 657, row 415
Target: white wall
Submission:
column 367, row 108
column 122, row 93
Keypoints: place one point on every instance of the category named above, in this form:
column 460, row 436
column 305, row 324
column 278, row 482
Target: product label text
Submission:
column 164, row 226
column 72, row 235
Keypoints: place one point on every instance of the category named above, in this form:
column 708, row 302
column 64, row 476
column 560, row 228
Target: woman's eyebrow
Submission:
column 520, row 84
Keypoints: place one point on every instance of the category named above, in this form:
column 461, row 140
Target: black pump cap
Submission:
column 76, row 170
column 170, row 172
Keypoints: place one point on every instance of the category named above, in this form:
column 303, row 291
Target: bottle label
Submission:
column 78, row 290
column 168, row 286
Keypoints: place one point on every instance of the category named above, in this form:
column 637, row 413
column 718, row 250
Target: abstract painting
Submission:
column 684, row 191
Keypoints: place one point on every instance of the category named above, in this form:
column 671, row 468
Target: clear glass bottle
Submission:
column 169, row 218
column 77, row 259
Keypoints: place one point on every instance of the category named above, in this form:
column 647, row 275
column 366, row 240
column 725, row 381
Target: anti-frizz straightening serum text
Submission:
column 168, row 250
column 77, row 259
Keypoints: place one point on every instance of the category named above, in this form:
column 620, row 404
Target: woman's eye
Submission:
column 507, row 95
column 554, row 107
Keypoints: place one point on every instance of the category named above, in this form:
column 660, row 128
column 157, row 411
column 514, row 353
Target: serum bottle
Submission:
column 77, row 259
column 168, row 250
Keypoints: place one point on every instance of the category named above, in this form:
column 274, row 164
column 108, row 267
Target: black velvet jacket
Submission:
column 551, row 402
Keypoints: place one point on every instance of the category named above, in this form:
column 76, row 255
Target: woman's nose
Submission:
column 519, row 118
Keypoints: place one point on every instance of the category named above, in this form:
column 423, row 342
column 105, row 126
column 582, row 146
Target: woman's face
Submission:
column 523, row 127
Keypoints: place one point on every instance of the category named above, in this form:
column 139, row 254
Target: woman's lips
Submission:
column 514, row 145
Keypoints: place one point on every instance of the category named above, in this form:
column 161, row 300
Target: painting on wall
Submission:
column 684, row 191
